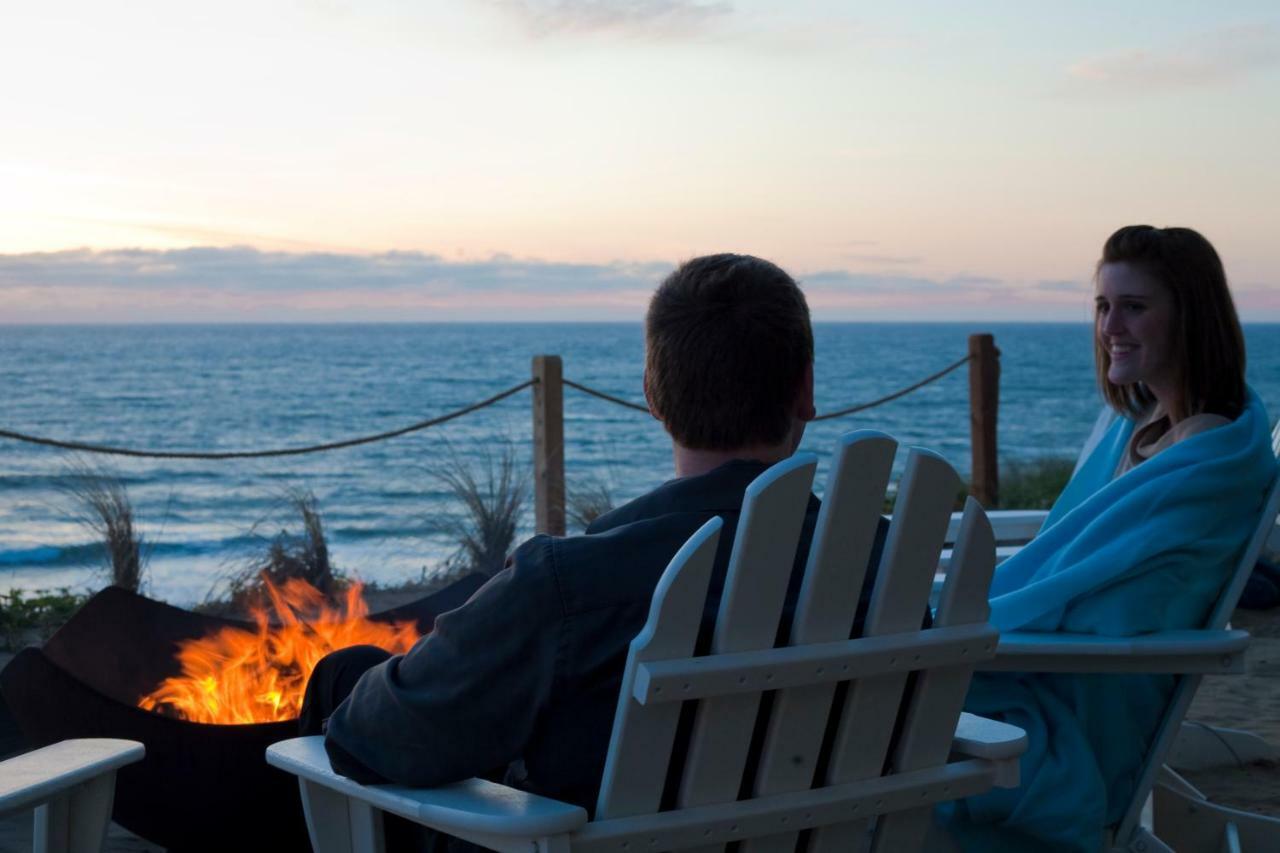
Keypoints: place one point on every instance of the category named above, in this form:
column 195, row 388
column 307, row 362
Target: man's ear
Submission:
column 804, row 399
column 648, row 397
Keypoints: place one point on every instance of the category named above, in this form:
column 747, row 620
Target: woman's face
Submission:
column 1134, row 321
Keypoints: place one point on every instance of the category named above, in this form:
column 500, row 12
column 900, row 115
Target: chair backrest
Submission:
column 840, row 712
column 1218, row 619
column 1253, row 549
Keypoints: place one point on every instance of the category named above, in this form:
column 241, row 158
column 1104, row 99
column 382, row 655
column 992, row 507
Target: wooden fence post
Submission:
column 984, row 407
column 548, row 445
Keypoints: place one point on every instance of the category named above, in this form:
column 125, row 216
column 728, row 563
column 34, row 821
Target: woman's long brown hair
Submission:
column 1207, row 342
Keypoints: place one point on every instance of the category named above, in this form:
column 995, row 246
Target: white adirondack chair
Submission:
column 939, row 754
column 71, row 785
column 1182, row 816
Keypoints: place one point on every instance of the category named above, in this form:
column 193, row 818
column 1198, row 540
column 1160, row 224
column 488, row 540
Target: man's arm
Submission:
column 466, row 698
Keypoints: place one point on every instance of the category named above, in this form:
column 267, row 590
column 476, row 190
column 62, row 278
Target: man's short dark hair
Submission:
column 727, row 343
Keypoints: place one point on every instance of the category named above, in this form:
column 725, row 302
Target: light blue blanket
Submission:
column 1147, row 551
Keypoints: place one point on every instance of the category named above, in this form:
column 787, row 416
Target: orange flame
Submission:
column 236, row 676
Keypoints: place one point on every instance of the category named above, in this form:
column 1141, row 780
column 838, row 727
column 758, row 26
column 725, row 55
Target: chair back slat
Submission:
column 760, row 569
column 939, row 693
column 640, row 748
column 916, row 535
column 829, row 594
column 844, row 537
column 964, row 599
column 925, row 496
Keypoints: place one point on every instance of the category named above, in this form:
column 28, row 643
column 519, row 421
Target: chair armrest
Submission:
column 1171, row 652
column 996, row 743
column 980, row 737
column 473, row 807
column 36, row 777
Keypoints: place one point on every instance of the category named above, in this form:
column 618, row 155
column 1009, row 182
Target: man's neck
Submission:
column 691, row 463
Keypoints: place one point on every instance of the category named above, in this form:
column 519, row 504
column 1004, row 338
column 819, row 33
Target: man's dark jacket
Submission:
column 525, row 676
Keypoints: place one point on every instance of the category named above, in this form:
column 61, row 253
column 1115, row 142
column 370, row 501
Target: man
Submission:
column 522, row 682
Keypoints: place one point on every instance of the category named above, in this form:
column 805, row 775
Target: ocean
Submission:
column 250, row 387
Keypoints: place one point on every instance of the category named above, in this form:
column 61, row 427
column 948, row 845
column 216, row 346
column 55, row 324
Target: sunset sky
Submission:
column 552, row 159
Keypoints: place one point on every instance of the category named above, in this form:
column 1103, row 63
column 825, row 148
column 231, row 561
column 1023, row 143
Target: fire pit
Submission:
column 202, row 786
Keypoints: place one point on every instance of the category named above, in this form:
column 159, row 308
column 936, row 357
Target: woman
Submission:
column 1142, row 539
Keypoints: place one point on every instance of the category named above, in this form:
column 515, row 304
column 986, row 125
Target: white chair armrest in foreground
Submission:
column 71, row 785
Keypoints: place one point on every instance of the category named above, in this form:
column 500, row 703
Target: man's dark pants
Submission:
column 333, row 679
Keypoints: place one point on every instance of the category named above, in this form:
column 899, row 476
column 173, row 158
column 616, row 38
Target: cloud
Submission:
column 243, row 284
column 842, row 281
column 888, row 260
column 1217, row 58
column 1062, row 286
column 644, row 19
column 241, row 269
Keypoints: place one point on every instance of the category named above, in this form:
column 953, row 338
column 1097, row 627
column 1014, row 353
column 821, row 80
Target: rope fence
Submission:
column 259, row 454
column 896, row 394
column 548, row 406
column 421, row 425
column 860, row 407
column 609, row 397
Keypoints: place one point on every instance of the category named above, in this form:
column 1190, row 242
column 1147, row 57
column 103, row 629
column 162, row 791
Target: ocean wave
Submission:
column 40, row 554
column 88, row 553
column 65, row 480
column 232, row 547
column 359, row 534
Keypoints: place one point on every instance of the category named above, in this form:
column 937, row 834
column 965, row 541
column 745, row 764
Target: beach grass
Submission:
column 589, row 498
column 1034, row 483
column 1024, row 484
column 489, row 500
column 102, row 506
column 492, row 493
column 298, row 551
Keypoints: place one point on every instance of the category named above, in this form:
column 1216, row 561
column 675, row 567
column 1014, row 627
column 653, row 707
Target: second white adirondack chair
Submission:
column 878, row 789
column 1183, row 818
column 71, row 787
